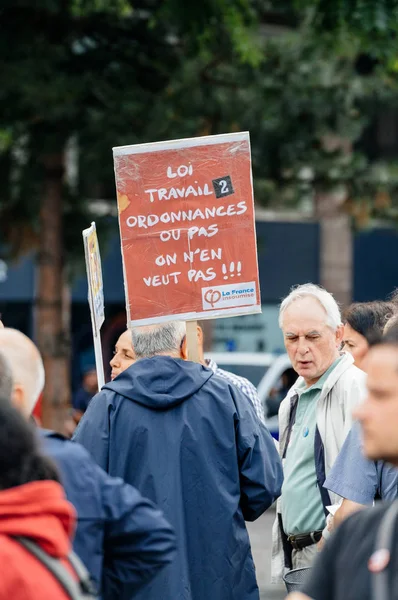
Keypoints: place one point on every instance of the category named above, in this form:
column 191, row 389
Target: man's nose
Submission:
column 302, row 346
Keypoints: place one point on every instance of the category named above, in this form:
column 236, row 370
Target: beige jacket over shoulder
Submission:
column 342, row 391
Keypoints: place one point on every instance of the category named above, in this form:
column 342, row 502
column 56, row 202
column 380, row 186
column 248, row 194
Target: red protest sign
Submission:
column 186, row 217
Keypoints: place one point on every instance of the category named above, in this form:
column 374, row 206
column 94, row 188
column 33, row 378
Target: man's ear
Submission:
column 184, row 349
column 18, row 397
column 339, row 335
column 199, row 333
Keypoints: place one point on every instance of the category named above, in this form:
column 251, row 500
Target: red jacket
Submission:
column 37, row 510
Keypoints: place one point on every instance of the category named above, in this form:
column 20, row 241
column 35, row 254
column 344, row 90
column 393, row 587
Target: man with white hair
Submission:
column 121, row 537
column 192, row 443
column 314, row 419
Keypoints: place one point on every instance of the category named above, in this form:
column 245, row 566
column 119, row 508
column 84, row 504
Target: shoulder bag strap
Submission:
column 86, row 584
column 54, row 565
column 384, row 541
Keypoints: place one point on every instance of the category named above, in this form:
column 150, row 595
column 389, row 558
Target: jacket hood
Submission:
column 38, row 510
column 160, row 382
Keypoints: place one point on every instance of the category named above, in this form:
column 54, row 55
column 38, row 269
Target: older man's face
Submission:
column 312, row 346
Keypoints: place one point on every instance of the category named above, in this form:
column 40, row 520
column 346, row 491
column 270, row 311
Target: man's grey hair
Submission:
column 163, row 338
column 6, row 382
column 325, row 299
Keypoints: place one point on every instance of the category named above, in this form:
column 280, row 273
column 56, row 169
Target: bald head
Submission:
column 26, row 366
column 6, row 381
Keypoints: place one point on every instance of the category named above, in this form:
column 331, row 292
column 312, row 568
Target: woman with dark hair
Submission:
column 363, row 325
column 32, row 507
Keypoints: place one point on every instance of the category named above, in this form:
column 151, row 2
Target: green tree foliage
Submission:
column 373, row 22
column 121, row 72
column 93, row 69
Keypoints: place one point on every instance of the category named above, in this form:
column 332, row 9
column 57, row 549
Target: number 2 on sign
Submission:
column 224, row 186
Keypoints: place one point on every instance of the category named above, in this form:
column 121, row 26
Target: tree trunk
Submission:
column 336, row 271
column 52, row 306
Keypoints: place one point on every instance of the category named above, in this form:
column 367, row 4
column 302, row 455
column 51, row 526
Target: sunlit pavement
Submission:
column 260, row 537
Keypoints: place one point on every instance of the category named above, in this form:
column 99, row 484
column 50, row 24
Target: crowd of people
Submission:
column 171, row 458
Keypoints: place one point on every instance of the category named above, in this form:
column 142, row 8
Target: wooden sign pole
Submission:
column 192, row 341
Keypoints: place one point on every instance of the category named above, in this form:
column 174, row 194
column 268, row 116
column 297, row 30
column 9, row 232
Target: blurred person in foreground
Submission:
column 121, row 537
column 358, row 480
column 32, row 505
column 353, row 560
column 314, row 419
column 192, row 443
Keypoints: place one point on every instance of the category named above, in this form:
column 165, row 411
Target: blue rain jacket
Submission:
column 121, row 537
column 192, row 443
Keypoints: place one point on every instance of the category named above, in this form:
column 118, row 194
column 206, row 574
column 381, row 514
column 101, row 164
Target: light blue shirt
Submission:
column 358, row 479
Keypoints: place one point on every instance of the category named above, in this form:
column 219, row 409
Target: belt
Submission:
column 304, row 539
